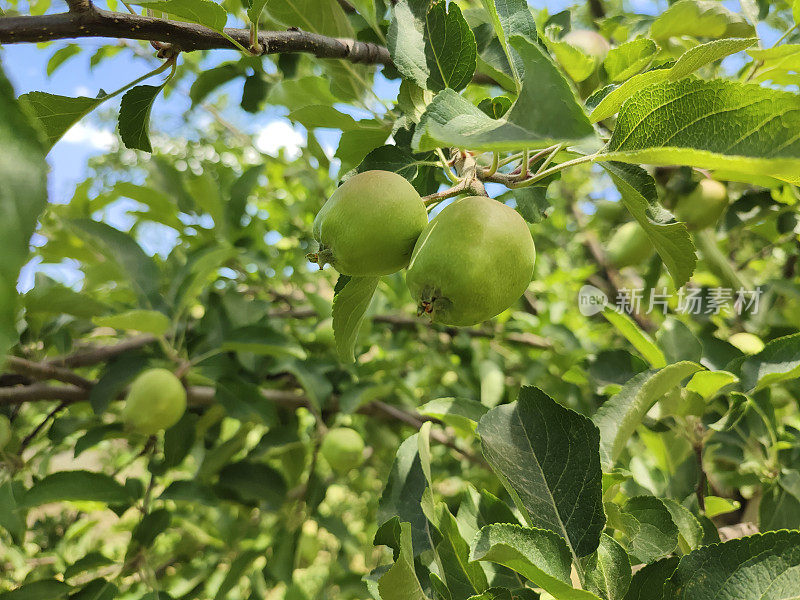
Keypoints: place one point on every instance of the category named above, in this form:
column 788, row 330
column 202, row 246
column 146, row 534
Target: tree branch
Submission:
column 93, row 356
column 95, row 22
column 46, row 371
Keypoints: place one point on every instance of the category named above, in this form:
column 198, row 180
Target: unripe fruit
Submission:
column 590, row 42
column 369, row 225
column 343, row 448
column 629, row 245
column 471, row 262
column 747, row 342
column 704, row 205
column 5, row 431
column 156, row 401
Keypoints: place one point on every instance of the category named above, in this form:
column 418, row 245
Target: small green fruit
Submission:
column 704, row 205
column 343, row 448
column 5, row 431
column 156, row 401
column 471, row 262
column 590, row 42
column 629, row 245
column 747, row 342
column 369, row 225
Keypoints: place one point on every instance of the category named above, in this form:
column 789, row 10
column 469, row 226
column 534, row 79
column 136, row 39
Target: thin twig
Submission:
column 29, row 438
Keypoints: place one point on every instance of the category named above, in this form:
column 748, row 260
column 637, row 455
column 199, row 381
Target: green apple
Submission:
column 369, row 225
column 704, row 205
column 155, row 402
column 473, row 261
column 629, row 245
column 343, row 449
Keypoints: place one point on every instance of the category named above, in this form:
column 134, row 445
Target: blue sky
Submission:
column 25, row 65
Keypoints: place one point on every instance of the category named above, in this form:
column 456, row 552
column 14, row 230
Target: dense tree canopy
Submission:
column 190, row 407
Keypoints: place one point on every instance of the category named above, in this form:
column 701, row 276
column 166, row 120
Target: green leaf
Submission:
column 460, row 413
column 647, row 528
column 403, row 492
column 701, row 19
column 120, row 248
column 323, row 116
column 608, row 570
column 254, row 483
column 648, row 582
column 23, row 197
column 255, row 10
column 780, row 503
column 210, row 79
column 619, row 417
column 709, row 383
column 90, row 562
column 546, row 112
column 779, row 64
column 254, row 93
column 689, row 527
column 512, row 18
column 532, row 203
column 134, row 116
column 96, row 589
column 354, row 145
column 390, row 158
column 204, row 12
column 11, row 518
column 495, row 107
column 678, row 342
column 150, row 527
column 56, row 114
column 146, row 321
column 462, row 577
column 688, row 63
column 60, row 56
column 638, row 338
column 297, row 93
column 349, row 309
column 671, row 240
column 547, row 457
column 325, row 17
column 400, row 581
column 716, row 506
column 237, row 569
column 630, row 58
column 450, row 50
column 576, row 63
column 778, row 361
column 537, row 554
column 406, row 40
column 749, row 568
column 75, row 486
column 115, row 377
column 43, row 589
column 711, row 124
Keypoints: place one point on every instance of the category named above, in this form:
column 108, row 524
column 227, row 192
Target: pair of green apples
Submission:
column 468, row 264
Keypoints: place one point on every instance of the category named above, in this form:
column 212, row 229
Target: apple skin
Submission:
column 472, row 262
column 704, row 205
column 5, row 431
column 629, row 245
column 369, row 225
column 155, row 402
column 747, row 342
column 343, row 449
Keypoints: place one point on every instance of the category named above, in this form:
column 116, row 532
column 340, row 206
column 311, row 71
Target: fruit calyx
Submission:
column 322, row 257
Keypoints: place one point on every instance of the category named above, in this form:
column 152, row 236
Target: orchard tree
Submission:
column 541, row 340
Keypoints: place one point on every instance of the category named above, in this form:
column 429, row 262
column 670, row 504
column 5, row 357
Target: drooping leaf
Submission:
column 779, row 64
column 349, row 309
column 461, row 413
column 547, row 457
column 711, row 124
column 23, row 196
column 406, row 40
column 670, row 239
column 619, row 416
column 647, row 528
column 512, row 18
column 450, row 50
column 545, row 112
column 134, row 116
column 390, row 158
column 210, row 79
column 648, row 582
column 537, row 554
column 56, row 114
